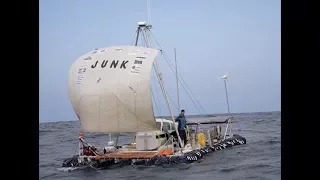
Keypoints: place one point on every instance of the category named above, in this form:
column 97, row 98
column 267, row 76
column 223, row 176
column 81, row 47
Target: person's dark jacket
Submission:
column 181, row 122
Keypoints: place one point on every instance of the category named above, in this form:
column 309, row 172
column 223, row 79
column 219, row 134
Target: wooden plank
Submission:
column 127, row 155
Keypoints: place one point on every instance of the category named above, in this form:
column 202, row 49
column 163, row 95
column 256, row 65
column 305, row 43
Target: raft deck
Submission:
column 128, row 155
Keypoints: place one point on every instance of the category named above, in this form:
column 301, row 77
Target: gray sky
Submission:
column 212, row 38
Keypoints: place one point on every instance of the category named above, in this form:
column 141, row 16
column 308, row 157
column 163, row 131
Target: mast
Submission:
column 175, row 59
column 144, row 28
column 138, row 32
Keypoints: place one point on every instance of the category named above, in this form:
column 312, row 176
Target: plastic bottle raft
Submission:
column 189, row 157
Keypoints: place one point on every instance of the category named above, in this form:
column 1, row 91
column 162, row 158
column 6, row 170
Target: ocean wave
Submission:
column 260, row 158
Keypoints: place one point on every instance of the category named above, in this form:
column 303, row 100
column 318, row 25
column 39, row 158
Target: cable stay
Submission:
column 185, row 86
column 144, row 36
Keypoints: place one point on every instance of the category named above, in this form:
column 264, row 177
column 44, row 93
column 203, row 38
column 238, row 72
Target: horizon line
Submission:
column 170, row 115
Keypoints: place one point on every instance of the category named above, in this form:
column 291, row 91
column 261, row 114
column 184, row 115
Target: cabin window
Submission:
column 167, row 125
column 158, row 125
column 171, row 127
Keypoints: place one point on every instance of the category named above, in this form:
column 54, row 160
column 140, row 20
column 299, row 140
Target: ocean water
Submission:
column 260, row 158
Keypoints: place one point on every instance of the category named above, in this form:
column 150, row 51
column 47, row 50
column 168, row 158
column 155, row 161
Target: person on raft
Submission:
column 182, row 126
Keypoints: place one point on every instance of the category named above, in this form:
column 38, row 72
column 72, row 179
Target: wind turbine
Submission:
column 225, row 78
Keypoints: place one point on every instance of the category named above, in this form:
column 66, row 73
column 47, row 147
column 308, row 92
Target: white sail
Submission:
column 110, row 91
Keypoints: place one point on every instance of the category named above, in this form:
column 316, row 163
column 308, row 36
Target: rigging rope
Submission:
column 168, row 96
column 186, row 92
column 157, row 90
column 170, row 64
column 155, row 101
column 134, row 37
column 144, row 37
column 166, row 57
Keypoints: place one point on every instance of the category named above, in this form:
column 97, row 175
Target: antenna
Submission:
column 148, row 12
column 142, row 26
column 175, row 58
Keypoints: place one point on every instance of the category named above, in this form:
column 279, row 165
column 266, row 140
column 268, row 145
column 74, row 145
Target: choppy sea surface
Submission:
column 260, row 158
